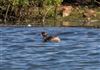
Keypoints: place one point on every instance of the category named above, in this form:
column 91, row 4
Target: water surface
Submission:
column 22, row 49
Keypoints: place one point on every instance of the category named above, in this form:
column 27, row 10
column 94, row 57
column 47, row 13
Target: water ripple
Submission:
column 23, row 49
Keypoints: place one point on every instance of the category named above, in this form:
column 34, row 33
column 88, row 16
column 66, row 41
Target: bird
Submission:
column 47, row 38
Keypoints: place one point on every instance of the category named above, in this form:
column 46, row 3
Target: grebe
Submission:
column 47, row 38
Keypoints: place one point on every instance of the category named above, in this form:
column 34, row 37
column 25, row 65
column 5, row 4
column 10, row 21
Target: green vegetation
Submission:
column 21, row 10
column 35, row 11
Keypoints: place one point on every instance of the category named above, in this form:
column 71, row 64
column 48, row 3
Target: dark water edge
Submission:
column 1, row 25
column 53, row 23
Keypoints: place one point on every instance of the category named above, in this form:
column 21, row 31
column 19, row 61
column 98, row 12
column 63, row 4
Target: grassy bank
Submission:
column 46, row 16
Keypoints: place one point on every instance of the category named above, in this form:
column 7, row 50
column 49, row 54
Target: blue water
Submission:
column 21, row 48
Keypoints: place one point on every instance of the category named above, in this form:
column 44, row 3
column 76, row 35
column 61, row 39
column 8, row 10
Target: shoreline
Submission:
column 83, row 26
column 54, row 23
